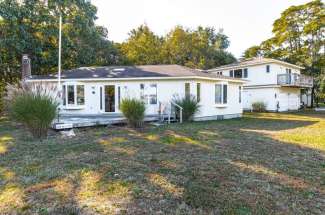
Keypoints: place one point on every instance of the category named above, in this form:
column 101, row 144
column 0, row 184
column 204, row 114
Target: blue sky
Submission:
column 246, row 22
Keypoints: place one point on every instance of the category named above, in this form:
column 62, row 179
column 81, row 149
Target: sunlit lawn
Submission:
column 260, row 164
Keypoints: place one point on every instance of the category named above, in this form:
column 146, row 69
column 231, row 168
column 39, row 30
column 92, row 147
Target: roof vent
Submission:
column 119, row 69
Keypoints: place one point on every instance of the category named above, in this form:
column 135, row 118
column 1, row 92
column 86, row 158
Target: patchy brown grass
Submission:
column 260, row 164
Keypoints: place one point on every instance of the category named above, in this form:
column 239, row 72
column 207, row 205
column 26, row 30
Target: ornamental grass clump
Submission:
column 259, row 106
column 190, row 106
column 133, row 109
column 32, row 105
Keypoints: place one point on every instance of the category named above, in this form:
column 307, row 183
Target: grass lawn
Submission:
column 260, row 164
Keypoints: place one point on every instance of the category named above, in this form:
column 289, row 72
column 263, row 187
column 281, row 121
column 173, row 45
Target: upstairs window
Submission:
column 238, row 73
column 231, row 73
column 73, row 95
column 245, row 73
column 268, row 68
column 221, row 93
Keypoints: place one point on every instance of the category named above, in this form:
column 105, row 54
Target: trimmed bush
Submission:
column 33, row 106
column 259, row 106
column 133, row 110
column 190, row 106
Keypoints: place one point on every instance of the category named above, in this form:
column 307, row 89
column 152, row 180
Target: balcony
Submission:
column 295, row 80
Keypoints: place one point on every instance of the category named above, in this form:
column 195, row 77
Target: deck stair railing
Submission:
column 168, row 112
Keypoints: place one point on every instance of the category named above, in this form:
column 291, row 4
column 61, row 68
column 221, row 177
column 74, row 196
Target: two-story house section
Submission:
column 276, row 83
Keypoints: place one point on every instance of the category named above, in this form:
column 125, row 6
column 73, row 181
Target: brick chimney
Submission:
column 26, row 67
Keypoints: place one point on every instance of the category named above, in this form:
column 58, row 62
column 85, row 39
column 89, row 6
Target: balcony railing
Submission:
column 295, row 80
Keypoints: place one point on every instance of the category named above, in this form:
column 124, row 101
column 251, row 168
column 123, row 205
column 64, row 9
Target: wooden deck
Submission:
column 79, row 121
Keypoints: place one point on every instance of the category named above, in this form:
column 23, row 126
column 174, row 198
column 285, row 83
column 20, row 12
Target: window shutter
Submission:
column 231, row 72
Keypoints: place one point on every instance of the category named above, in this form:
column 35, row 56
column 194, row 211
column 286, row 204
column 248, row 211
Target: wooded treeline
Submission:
column 31, row 27
column 299, row 38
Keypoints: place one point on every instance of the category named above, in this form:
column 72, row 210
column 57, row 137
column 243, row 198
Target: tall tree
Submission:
column 299, row 38
column 31, row 27
column 201, row 48
column 142, row 46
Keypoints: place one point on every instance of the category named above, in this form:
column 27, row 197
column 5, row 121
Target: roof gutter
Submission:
column 143, row 78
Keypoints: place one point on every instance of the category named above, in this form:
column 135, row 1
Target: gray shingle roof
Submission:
column 147, row 71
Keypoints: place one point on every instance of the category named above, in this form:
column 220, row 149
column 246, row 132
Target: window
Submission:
column 64, row 91
column 187, row 90
column 231, row 73
column 239, row 94
column 245, row 73
column 73, row 94
column 142, row 96
column 149, row 94
column 221, row 93
column 153, row 94
column 219, row 73
column 119, row 96
column 198, row 92
column 268, row 68
column 101, row 97
column 238, row 73
column 225, row 87
column 80, row 95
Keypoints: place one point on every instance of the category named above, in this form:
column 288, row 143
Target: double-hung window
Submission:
column 221, row 93
column 148, row 93
column 198, row 92
column 73, row 95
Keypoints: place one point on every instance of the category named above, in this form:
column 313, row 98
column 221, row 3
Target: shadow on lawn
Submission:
column 192, row 168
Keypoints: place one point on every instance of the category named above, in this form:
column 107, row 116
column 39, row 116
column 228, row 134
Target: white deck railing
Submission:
column 295, row 80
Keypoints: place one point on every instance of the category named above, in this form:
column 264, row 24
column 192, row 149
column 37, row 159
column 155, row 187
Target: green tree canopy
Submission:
column 142, row 46
column 31, row 27
column 200, row 48
column 298, row 38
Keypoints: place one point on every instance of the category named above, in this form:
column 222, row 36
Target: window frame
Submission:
column 146, row 96
column 223, row 94
column 240, row 94
column 268, row 68
column 245, row 74
column 187, row 88
column 198, row 92
column 76, row 96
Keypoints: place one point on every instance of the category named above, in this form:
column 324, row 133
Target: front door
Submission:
column 109, row 98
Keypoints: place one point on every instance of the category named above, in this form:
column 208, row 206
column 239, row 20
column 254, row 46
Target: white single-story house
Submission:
column 276, row 83
column 99, row 90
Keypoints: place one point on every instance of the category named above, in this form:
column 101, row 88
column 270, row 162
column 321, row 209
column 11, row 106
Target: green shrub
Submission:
column 133, row 110
column 259, row 106
column 33, row 106
column 190, row 106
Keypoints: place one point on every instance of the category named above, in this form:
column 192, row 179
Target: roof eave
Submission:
column 141, row 78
